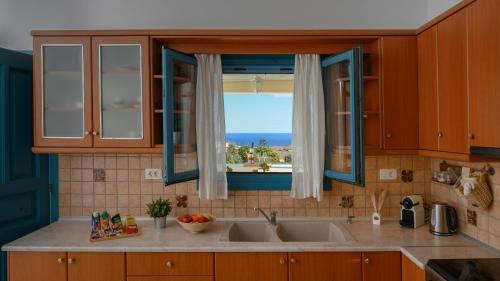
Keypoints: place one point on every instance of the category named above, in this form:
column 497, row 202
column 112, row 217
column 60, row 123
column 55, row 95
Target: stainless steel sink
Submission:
column 250, row 232
column 312, row 231
column 287, row 231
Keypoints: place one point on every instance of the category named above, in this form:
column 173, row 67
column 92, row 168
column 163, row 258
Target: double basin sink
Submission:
column 286, row 231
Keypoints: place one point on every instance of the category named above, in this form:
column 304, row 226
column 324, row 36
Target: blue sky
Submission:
column 258, row 113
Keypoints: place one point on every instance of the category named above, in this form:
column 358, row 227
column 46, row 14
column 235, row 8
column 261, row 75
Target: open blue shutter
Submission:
column 179, row 117
column 344, row 105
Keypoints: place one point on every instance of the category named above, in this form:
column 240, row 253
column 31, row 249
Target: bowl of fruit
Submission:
column 196, row 222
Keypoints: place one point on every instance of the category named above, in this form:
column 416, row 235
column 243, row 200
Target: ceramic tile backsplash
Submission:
column 117, row 183
column 488, row 221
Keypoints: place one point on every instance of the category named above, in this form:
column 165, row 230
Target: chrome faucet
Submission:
column 271, row 218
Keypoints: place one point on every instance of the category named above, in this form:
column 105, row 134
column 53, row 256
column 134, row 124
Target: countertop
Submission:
column 72, row 235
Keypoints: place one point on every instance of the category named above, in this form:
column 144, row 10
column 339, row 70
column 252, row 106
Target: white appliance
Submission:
column 412, row 211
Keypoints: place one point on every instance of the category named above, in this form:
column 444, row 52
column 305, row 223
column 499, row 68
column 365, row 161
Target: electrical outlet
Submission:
column 152, row 174
column 388, row 174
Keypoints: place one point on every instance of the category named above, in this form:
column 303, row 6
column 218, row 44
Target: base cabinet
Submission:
column 251, row 266
column 382, row 266
column 247, row 266
column 304, row 266
column 37, row 266
column 170, row 278
column 61, row 266
column 410, row 271
column 325, row 266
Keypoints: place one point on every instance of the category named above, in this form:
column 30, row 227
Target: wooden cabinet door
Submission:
column 484, row 72
column 452, row 84
column 382, row 266
column 121, row 97
column 325, row 266
column 427, row 89
column 96, row 266
column 410, row 271
column 170, row 264
column 170, row 278
column 37, row 266
column 62, row 94
column 399, row 92
column 251, row 266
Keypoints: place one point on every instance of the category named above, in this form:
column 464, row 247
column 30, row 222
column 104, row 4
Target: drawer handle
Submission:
column 282, row 261
column 388, row 135
column 60, row 260
column 169, row 264
column 293, row 260
column 368, row 261
column 470, row 136
column 71, row 260
column 440, row 134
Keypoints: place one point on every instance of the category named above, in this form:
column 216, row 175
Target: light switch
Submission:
column 152, row 174
column 388, row 174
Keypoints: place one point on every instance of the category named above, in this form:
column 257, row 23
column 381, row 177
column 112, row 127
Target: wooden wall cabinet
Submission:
column 61, row 266
column 399, row 92
column 484, row 72
column 427, row 89
column 410, row 271
column 62, row 92
column 452, row 84
column 91, row 93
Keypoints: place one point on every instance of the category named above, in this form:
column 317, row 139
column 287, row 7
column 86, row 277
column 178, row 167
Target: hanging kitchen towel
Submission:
column 308, row 129
column 210, row 128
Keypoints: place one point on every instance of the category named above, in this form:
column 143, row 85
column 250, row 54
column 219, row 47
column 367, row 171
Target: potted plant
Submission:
column 159, row 210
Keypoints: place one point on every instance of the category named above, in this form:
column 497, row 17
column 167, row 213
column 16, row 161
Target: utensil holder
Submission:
column 376, row 217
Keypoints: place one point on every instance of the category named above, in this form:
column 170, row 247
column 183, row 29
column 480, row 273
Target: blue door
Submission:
column 24, row 177
column 344, row 108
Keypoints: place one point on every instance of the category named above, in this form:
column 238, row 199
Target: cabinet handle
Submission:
column 95, row 133
column 60, row 260
column 388, row 135
column 282, row 261
column 169, row 264
column 440, row 134
column 87, row 133
column 293, row 260
column 470, row 136
column 367, row 260
column 71, row 260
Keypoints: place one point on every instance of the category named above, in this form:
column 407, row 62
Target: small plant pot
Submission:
column 160, row 222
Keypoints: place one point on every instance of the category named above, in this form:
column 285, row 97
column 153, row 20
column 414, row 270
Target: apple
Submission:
column 186, row 219
column 203, row 219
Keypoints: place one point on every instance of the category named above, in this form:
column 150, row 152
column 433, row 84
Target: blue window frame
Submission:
column 179, row 131
column 344, row 103
column 350, row 82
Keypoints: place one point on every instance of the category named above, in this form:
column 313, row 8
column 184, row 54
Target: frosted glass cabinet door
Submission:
column 120, row 91
column 62, row 92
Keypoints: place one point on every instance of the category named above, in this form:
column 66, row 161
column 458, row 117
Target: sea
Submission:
column 272, row 139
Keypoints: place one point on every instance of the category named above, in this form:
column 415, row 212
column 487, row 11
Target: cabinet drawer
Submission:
column 171, row 278
column 190, row 264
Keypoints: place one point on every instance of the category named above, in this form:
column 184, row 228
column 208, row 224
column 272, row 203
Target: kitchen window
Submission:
column 251, row 84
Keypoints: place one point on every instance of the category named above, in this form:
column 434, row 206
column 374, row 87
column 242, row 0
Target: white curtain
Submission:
column 308, row 129
column 211, row 128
